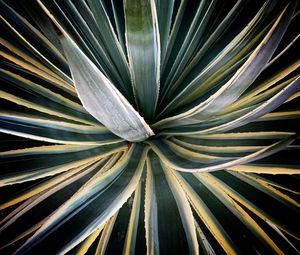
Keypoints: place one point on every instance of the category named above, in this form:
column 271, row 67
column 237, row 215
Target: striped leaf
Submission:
column 149, row 127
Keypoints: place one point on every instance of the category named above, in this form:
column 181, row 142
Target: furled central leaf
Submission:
column 102, row 99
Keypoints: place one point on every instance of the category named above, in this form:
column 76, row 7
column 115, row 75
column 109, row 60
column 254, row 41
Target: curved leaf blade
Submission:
column 107, row 192
column 102, row 99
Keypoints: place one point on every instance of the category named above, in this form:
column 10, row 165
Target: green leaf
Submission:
column 79, row 23
column 187, row 160
column 105, row 237
column 164, row 14
column 34, row 41
column 107, row 192
column 169, row 224
column 208, row 218
column 260, row 204
column 255, row 181
column 34, row 163
column 143, row 47
column 32, row 94
column 32, row 213
column 247, row 115
column 174, row 32
column 264, row 88
column 245, row 75
column 192, row 40
column 264, row 108
column 87, row 243
column 109, row 38
column 102, row 99
column 212, row 39
column 118, row 12
column 54, row 131
column 52, row 185
column 131, row 235
column 218, row 83
column 239, row 212
column 23, row 60
column 219, row 69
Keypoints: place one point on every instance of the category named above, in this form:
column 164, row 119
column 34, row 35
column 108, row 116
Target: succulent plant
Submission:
column 149, row 127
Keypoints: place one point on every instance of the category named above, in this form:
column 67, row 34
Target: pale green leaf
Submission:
column 102, row 99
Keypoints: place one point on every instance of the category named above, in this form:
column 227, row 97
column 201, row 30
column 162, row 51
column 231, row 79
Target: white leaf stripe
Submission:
column 184, row 210
column 238, row 211
column 217, row 32
column 44, row 138
column 61, row 132
column 283, row 236
column 86, row 244
column 164, row 14
column 191, row 41
column 284, row 50
column 266, row 188
column 243, row 135
column 271, row 183
column 29, row 64
column 218, row 62
column 179, row 213
column 97, row 188
column 43, row 109
column 102, row 244
column 151, row 226
column 207, row 217
column 118, row 11
column 244, row 76
column 216, row 149
column 130, row 242
column 84, row 37
column 41, row 37
column 265, row 107
column 52, row 195
column 265, row 169
column 250, row 206
column 55, row 124
column 180, row 163
column 109, row 38
column 174, row 32
column 29, row 231
column 208, row 250
column 38, row 88
column 34, row 167
column 261, row 97
column 57, row 180
column 280, row 115
column 23, row 59
column 253, row 114
column 248, row 97
column 42, row 150
column 98, row 36
column 58, row 184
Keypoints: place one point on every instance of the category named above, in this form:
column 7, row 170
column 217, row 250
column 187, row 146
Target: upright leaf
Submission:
column 169, row 225
column 143, row 47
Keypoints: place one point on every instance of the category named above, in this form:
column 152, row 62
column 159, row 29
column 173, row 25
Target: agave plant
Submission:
column 149, row 127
